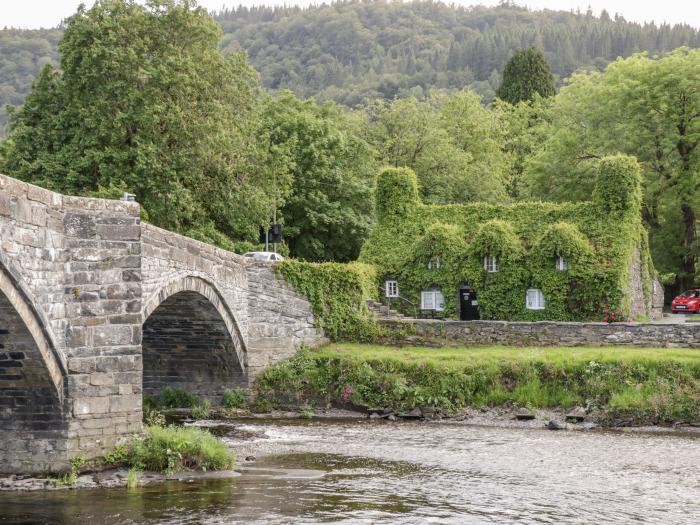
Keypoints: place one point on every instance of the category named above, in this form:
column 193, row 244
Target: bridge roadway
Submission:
column 98, row 308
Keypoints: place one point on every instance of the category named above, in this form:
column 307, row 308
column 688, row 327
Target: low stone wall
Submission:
column 426, row 332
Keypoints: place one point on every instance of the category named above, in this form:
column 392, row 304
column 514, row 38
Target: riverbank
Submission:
column 609, row 386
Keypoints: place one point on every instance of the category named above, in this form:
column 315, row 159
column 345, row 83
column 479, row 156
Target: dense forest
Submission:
column 355, row 51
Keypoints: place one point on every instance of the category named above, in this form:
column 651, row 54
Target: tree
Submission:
column 145, row 101
column 644, row 106
column 526, row 128
column 526, row 73
column 326, row 205
column 452, row 143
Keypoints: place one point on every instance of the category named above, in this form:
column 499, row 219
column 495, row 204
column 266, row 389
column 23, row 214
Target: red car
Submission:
column 688, row 301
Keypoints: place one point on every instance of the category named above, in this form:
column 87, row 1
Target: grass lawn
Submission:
column 460, row 357
column 644, row 385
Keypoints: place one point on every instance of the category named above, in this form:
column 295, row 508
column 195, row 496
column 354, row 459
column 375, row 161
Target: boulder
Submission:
column 555, row 425
column 576, row 415
column 415, row 413
column 523, row 414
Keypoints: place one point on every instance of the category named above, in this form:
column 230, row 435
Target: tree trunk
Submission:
column 687, row 279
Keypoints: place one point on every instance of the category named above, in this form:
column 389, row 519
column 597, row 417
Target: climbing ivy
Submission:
column 598, row 239
column 338, row 294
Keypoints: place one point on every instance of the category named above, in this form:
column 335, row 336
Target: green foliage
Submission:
column 619, row 184
column 452, row 142
column 396, row 194
column 526, row 238
column 436, row 260
column 69, row 478
column 352, row 51
column 525, row 75
column 144, row 100
column 132, row 479
column 564, row 240
column 201, row 411
column 338, row 294
column 172, row 398
column 116, row 457
column 645, row 106
column 235, row 398
column 173, row 449
column 324, row 175
column 152, row 417
column 627, row 385
column 496, row 237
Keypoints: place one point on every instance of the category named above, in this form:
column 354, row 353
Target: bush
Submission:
column 201, row 411
column 173, row 449
column 172, row 398
column 235, row 398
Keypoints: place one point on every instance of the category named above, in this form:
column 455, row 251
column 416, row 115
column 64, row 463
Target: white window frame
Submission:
column 391, row 288
column 491, row 264
column 432, row 300
column 560, row 264
column 434, row 263
column 534, row 299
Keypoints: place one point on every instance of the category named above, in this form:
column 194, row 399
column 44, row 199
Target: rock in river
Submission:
column 523, row 414
column 555, row 425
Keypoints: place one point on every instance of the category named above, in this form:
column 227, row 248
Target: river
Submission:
column 360, row 471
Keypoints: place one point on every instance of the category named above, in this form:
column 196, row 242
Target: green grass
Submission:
column 235, row 398
column 173, row 449
column 457, row 357
column 633, row 384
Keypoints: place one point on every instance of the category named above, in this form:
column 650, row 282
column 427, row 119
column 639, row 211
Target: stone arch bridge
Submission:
column 97, row 308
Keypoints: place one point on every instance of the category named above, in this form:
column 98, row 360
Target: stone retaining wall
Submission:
column 425, row 332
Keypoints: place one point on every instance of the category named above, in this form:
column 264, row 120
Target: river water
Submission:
column 382, row 472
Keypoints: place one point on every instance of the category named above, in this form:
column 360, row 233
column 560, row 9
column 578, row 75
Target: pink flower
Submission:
column 605, row 319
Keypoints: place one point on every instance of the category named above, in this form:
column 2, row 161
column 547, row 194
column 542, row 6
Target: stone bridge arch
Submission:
column 191, row 339
column 32, row 380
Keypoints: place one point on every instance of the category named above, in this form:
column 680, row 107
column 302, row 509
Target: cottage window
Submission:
column 491, row 263
column 432, row 300
column 391, row 288
column 434, row 263
column 534, row 299
column 560, row 264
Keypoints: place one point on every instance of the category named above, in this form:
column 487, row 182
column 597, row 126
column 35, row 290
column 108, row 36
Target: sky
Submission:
column 48, row 13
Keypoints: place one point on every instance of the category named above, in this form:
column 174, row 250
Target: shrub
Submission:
column 235, row 398
column 173, row 449
column 172, row 398
column 201, row 411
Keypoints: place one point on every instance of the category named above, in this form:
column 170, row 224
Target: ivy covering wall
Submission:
column 338, row 294
column 599, row 241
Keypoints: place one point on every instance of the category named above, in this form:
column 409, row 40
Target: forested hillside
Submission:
column 352, row 51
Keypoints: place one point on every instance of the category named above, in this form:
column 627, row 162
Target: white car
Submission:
column 264, row 256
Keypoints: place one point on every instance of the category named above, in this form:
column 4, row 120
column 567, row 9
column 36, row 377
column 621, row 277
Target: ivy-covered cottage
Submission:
column 525, row 261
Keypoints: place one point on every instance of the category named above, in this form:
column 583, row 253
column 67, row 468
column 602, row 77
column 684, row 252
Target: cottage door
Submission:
column 468, row 305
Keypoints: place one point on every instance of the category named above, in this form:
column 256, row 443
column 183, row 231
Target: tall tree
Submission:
column 326, row 202
column 644, row 106
column 145, row 101
column 527, row 73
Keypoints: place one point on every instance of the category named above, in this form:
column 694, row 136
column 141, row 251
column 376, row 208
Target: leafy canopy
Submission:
column 145, row 101
column 644, row 106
